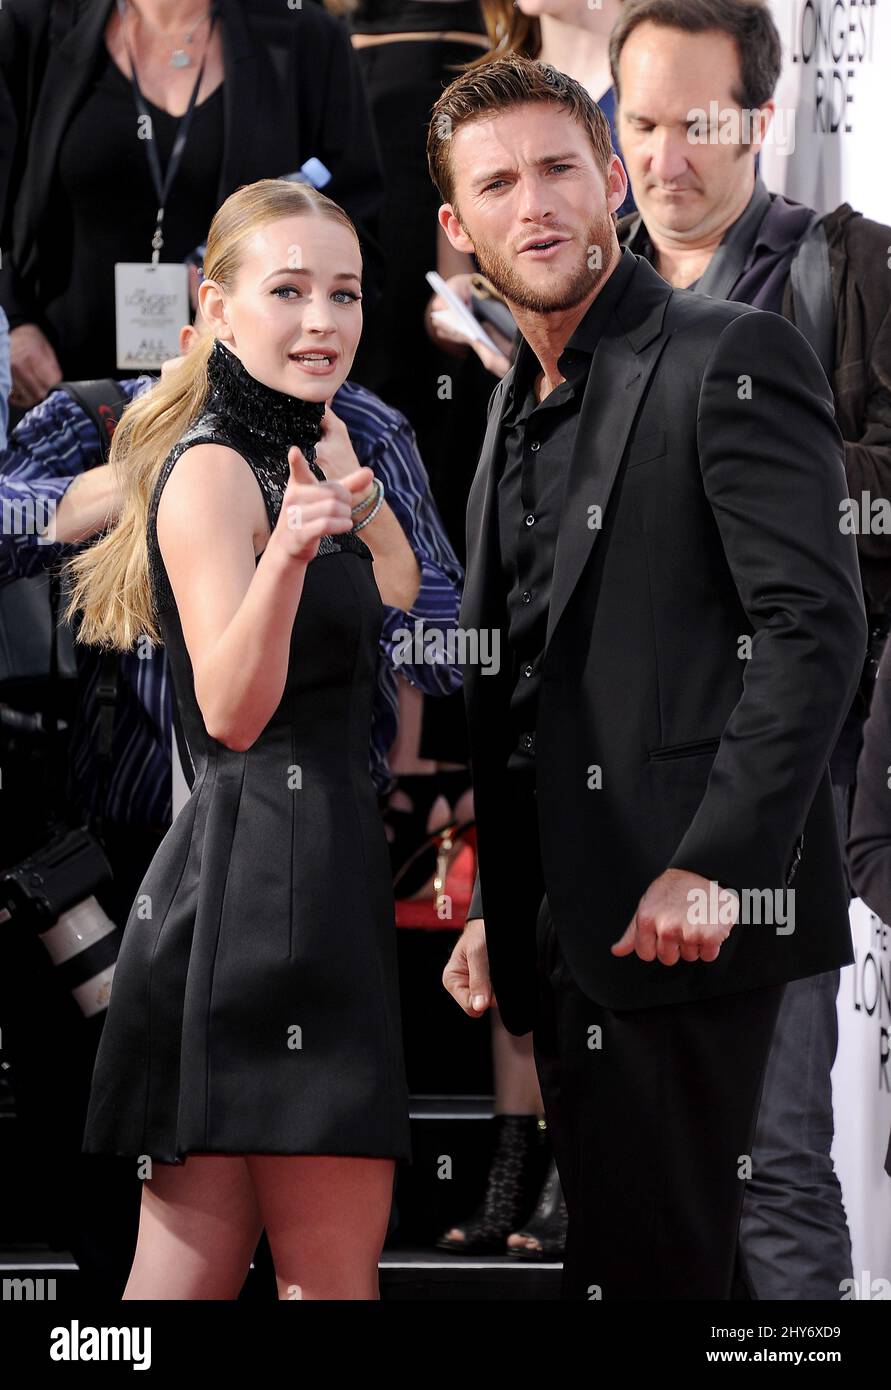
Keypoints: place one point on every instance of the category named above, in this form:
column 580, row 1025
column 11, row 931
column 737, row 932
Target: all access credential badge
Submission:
column 151, row 306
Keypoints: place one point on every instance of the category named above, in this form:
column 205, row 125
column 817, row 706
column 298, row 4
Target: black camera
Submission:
column 53, row 894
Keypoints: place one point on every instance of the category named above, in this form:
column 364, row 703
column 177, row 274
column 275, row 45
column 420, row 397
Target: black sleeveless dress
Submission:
column 255, row 1002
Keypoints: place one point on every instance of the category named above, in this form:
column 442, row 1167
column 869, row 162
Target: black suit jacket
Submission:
column 707, row 436
column 292, row 89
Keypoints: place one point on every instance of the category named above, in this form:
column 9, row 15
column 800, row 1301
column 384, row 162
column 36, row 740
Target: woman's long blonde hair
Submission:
column 109, row 580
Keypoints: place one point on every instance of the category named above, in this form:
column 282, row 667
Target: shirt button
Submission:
column 530, row 520
column 527, row 597
column 527, row 670
column 535, row 446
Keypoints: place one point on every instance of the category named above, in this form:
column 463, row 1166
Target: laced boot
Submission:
column 547, row 1225
column 517, row 1170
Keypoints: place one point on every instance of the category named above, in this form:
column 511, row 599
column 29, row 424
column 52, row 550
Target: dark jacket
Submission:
column 861, row 381
column 292, row 90
column 720, row 507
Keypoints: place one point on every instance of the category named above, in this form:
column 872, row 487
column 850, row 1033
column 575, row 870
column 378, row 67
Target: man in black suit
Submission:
column 654, row 529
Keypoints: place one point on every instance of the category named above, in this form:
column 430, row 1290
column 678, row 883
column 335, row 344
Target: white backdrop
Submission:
column 861, row 1090
column 836, row 78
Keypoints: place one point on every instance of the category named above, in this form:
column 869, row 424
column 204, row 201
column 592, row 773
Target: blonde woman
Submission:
column 251, row 1061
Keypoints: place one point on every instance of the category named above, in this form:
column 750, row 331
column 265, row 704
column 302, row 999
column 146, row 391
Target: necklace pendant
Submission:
column 180, row 59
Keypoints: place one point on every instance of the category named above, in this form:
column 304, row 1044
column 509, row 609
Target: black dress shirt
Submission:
column 538, row 439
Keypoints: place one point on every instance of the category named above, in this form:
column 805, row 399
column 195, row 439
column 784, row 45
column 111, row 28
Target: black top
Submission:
column 276, row 416
column 417, row 16
column 261, row 423
column 106, row 209
column 538, row 442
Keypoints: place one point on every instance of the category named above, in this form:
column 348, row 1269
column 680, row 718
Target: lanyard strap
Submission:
column 163, row 185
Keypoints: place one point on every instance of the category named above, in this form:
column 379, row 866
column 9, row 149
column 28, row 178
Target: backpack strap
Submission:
column 104, row 402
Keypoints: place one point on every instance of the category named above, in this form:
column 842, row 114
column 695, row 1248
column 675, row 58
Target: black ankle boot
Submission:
column 519, row 1163
column 548, row 1223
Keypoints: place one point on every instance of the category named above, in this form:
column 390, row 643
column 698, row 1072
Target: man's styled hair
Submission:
column 496, row 86
column 748, row 22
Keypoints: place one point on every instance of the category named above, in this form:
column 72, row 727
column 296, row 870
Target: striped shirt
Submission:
column 5, row 376
column 57, row 440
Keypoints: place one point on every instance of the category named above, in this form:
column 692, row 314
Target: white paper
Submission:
column 151, row 306
column 467, row 324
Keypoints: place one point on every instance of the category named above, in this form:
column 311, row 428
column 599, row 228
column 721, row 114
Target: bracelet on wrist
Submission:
column 360, row 506
column 357, row 525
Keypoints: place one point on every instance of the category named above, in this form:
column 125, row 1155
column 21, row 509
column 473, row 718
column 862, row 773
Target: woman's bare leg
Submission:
column 403, row 755
column 516, row 1080
column 326, row 1220
column 199, row 1224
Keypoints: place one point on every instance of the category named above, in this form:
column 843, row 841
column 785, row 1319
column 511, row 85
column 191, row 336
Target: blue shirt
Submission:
column 57, row 440
column 607, row 104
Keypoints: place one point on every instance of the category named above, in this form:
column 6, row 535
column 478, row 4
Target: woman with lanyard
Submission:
column 134, row 137
column 120, row 307
column 151, row 298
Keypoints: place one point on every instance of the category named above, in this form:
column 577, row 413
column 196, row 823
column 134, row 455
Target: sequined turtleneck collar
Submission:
column 275, row 416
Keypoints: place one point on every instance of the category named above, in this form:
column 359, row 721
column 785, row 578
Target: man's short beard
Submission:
column 503, row 274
